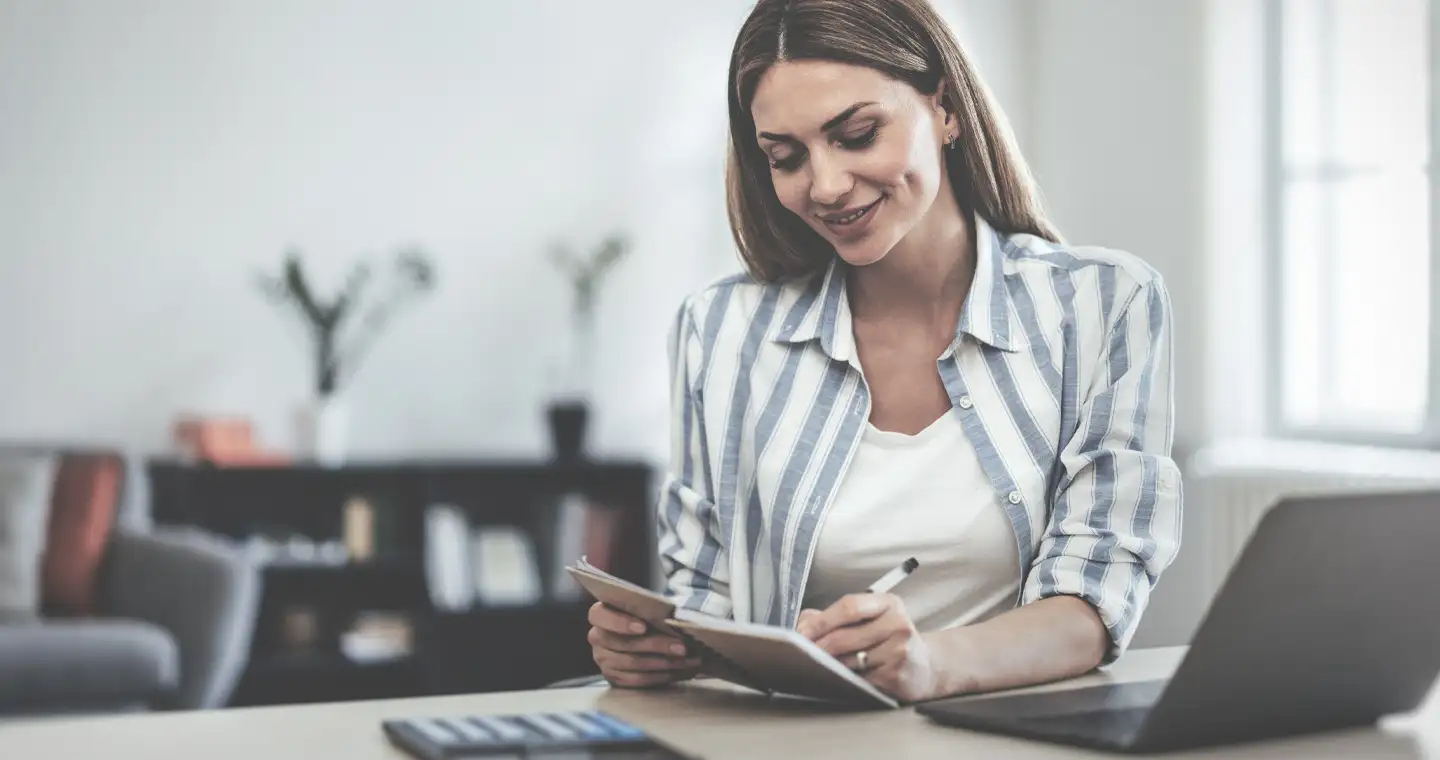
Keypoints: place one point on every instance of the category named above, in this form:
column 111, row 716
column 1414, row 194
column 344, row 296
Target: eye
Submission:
column 786, row 163
column 857, row 141
column 852, row 140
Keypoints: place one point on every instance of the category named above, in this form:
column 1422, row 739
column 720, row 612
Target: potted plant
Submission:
column 568, row 411
column 342, row 330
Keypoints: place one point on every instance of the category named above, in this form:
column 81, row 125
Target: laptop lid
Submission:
column 1329, row 618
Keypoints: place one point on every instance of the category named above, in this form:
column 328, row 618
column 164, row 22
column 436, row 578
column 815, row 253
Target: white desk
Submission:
column 710, row 720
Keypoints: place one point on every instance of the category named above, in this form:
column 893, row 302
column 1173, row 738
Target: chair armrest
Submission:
column 203, row 591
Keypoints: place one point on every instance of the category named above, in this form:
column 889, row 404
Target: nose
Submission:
column 829, row 180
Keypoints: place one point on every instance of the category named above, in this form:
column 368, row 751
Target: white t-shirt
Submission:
column 923, row 496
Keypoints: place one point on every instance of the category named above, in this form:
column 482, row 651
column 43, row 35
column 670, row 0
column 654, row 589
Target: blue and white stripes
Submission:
column 1060, row 374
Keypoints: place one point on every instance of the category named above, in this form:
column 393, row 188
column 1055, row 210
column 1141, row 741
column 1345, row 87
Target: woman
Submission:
column 914, row 365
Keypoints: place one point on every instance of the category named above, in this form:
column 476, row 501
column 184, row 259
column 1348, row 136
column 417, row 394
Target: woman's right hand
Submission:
column 633, row 655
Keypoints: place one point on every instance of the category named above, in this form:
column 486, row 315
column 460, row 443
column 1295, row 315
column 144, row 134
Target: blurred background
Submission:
column 330, row 332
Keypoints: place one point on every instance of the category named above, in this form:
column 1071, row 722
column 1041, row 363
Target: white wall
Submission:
column 1235, row 202
column 156, row 153
column 995, row 34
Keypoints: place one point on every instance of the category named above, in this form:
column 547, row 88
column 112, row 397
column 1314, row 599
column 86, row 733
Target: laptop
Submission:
column 1328, row 620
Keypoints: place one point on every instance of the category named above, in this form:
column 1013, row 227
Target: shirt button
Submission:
column 965, row 402
column 1014, row 497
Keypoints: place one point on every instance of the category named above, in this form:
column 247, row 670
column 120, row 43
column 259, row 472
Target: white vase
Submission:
column 575, row 378
column 324, row 430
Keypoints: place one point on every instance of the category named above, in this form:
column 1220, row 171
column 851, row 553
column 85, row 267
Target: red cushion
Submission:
column 82, row 512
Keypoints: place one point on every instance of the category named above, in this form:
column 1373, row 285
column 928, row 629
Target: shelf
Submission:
column 436, row 465
column 294, row 678
column 506, row 648
column 503, row 648
column 379, row 569
column 485, row 648
column 319, row 664
column 387, row 584
column 380, row 565
column 548, row 609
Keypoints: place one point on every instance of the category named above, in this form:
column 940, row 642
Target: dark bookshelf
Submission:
column 483, row 648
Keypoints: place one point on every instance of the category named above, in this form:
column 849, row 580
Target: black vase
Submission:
column 568, row 421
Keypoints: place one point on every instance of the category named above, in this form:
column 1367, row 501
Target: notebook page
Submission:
column 660, row 613
column 624, row 595
column 790, row 663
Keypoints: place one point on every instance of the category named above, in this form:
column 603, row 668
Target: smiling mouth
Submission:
column 848, row 219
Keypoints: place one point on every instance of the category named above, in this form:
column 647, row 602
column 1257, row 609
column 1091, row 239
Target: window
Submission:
column 1353, row 261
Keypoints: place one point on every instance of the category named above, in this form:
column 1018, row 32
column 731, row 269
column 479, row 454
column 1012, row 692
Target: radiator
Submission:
column 1234, row 484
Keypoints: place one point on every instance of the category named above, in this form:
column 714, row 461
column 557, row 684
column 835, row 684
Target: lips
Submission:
column 850, row 220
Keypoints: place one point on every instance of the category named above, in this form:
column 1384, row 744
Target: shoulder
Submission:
column 719, row 295
column 738, row 304
column 1087, row 279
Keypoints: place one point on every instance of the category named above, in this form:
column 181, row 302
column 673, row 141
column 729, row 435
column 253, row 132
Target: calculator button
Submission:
column 552, row 728
column 433, row 731
column 587, row 728
column 470, row 731
column 617, row 727
column 505, row 729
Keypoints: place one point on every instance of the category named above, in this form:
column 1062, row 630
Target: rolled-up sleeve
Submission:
column 692, row 556
column 1115, row 522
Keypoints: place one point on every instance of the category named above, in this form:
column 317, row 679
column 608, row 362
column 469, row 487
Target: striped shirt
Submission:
column 1059, row 373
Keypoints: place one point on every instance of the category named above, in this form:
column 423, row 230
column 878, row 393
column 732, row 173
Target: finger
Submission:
column 611, row 619
column 653, row 644
column 867, row 635
column 852, row 662
column 886, row 664
column 851, row 609
column 633, row 680
column 647, row 663
column 640, row 678
column 884, row 655
column 806, row 617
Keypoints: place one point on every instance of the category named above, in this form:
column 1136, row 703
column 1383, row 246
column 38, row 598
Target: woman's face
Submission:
column 855, row 154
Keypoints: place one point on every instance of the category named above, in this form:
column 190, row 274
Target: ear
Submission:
column 945, row 119
column 939, row 101
column 936, row 99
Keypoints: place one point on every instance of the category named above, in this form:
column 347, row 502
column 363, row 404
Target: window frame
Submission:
column 1428, row 437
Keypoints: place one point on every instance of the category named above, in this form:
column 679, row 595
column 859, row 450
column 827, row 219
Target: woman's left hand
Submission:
column 872, row 635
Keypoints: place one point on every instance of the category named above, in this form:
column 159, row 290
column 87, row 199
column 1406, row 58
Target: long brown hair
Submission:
column 905, row 40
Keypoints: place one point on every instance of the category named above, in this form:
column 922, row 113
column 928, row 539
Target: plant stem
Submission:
column 326, row 370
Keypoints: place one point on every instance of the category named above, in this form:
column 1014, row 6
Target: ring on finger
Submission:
column 862, row 660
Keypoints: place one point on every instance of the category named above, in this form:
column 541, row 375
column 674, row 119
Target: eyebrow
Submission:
column 829, row 124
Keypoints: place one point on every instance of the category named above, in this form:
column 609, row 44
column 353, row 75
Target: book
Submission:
column 767, row 658
column 449, row 577
column 584, row 526
column 506, row 571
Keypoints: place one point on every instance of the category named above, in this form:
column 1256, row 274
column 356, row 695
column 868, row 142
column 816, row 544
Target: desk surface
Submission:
column 713, row 721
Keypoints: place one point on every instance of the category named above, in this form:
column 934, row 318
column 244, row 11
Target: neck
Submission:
column 926, row 276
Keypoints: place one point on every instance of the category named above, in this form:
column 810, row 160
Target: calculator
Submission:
column 572, row 735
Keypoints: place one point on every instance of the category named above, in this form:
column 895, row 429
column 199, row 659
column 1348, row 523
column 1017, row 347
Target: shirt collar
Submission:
column 823, row 309
column 986, row 313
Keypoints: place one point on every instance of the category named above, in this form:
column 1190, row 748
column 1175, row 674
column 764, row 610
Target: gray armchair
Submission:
column 178, row 611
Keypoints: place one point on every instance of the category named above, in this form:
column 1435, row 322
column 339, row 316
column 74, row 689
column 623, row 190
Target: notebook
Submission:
column 766, row 658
